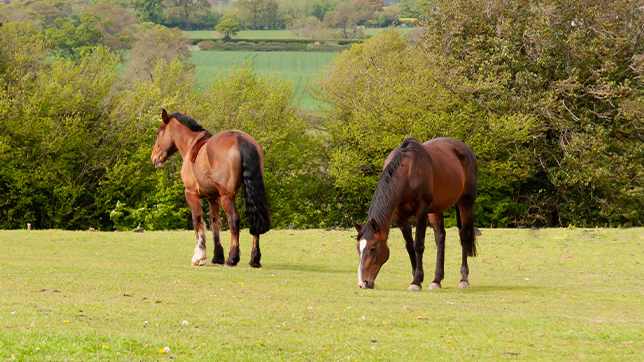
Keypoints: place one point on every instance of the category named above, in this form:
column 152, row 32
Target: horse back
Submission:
column 218, row 166
column 454, row 172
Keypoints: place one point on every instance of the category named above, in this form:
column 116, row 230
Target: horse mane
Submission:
column 387, row 191
column 187, row 121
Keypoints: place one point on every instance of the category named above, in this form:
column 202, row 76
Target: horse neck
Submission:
column 183, row 137
column 382, row 210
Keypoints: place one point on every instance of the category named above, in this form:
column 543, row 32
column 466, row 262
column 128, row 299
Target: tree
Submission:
column 260, row 13
column 187, row 9
column 154, row 44
column 149, row 10
column 347, row 16
column 69, row 38
column 117, row 25
column 53, row 153
column 577, row 66
column 229, row 26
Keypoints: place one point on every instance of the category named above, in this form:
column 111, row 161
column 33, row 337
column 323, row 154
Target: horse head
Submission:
column 373, row 252
column 164, row 147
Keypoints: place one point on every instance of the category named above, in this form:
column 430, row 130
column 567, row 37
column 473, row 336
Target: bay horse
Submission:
column 420, row 180
column 214, row 167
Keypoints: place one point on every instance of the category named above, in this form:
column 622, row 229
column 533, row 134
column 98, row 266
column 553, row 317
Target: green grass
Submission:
column 562, row 295
column 300, row 67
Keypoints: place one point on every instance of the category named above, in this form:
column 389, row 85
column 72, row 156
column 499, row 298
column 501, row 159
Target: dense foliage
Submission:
column 75, row 139
column 549, row 94
column 385, row 89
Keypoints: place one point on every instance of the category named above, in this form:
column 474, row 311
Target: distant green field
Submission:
column 272, row 34
column 300, row 67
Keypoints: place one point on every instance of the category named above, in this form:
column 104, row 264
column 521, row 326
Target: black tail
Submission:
column 468, row 235
column 256, row 200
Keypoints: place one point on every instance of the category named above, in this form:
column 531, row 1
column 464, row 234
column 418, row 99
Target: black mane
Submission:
column 187, row 121
column 387, row 191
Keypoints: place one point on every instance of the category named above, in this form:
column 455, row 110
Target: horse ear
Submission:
column 164, row 116
column 374, row 226
column 357, row 226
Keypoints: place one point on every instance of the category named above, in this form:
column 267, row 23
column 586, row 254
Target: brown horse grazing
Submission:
column 214, row 168
column 420, row 180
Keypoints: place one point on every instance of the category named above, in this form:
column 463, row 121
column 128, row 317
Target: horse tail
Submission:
column 256, row 200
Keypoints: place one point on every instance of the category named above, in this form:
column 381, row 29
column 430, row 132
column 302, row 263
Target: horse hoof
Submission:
column 227, row 264
column 254, row 265
column 199, row 262
column 463, row 285
column 414, row 288
column 218, row 261
column 435, row 286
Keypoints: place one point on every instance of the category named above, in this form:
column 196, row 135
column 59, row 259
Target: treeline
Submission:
column 307, row 18
column 550, row 96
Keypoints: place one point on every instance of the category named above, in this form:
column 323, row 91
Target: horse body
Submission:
column 215, row 167
column 421, row 181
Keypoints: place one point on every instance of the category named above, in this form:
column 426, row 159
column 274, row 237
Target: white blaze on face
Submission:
column 363, row 244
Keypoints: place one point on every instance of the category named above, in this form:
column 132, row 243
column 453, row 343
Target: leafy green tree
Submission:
column 229, row 26
column 259, row 13
column 414, row 9
column 347, row 16
column 69, row 37
column 149, row 10
column 44, row 12
column 577, row 67
column 56, row 133
column 186, row 10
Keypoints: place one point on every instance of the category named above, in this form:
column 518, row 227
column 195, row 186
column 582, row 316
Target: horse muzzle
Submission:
column 157, row 163
column 365, row 284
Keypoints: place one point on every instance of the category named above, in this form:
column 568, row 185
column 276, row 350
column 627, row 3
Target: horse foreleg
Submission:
column 215, row 227
column 419, row 248
column 437, row 222
column 255, row 255
column 228, row 203
column 405, row 228
column 199, row 257
column 467, row 242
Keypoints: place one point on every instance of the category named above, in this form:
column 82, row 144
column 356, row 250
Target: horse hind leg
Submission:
column 228, row 203
column 438, row 224
column 468, row 241
column 199, row 257
column 255, row 254
column 215, row 226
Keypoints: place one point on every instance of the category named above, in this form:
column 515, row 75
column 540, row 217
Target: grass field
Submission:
column 300, row 67
column 557, row 294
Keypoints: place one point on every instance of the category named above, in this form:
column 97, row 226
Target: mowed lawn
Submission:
column 553, row 294
column 300, row 67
